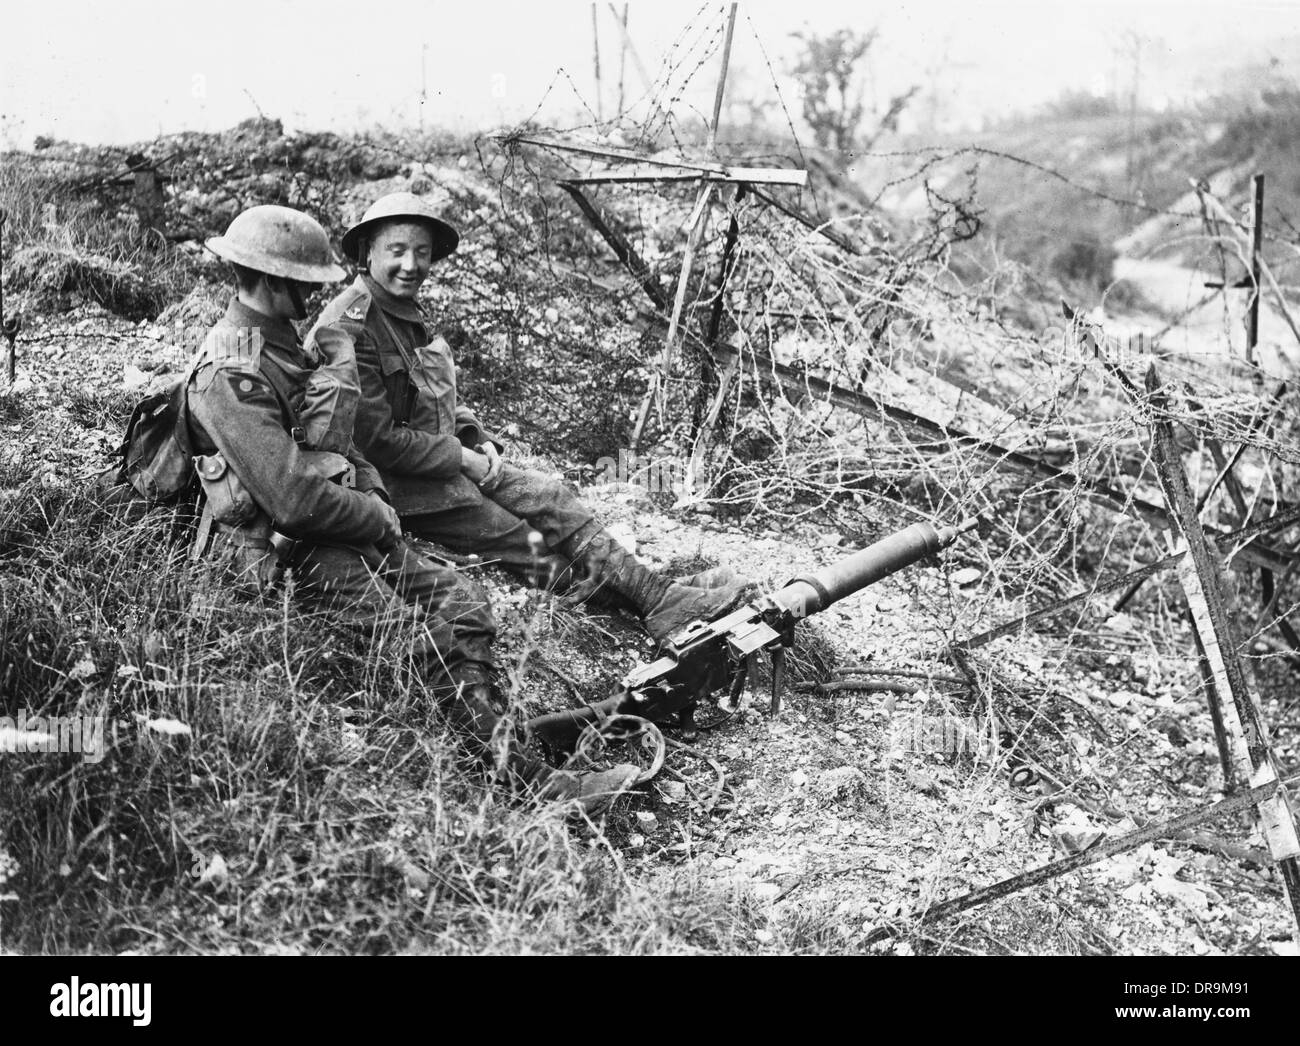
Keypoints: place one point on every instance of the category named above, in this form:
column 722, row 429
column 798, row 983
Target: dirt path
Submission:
column 1209, row 334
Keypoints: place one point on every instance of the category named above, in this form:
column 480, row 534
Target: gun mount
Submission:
column 705, row 657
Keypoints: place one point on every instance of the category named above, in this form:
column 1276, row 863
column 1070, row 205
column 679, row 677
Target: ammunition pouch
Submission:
column 236, row 529
column 227, row 498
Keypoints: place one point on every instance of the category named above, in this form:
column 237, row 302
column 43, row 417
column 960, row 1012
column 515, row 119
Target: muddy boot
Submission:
column 663, row 605
column 713, row 577
column 472, row 709
column 589, row 791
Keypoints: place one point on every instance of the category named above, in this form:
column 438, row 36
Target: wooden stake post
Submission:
column 659, row 380
column 656, row 170
column 1202, row 578
column 9, row 325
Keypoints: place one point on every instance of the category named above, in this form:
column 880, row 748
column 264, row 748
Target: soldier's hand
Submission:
column 392, row 523
column 489, row 451
column 475, row 465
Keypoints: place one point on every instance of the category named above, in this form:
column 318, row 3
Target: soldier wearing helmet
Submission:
column 444, row 471
column 271, row 420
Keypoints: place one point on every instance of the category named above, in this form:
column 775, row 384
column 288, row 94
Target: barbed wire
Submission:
column 872, row 387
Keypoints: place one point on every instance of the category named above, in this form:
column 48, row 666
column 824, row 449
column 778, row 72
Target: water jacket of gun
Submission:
column 706, row 656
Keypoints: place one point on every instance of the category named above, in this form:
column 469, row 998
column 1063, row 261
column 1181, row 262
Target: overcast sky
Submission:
column 125, row 71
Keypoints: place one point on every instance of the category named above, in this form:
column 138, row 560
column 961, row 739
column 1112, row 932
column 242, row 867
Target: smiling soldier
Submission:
column 272, row 418
column 445, row 472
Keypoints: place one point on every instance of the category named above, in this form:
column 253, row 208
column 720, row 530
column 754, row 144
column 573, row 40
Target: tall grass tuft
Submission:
column 270, row 781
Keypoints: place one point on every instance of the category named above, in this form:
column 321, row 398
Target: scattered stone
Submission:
column 1076, row 840
column 923, row 783
column 843, row 782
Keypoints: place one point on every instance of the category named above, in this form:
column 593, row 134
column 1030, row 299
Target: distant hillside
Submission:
column 1063, row 193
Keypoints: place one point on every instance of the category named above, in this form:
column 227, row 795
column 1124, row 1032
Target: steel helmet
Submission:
column 402, row 206
column 279, row 241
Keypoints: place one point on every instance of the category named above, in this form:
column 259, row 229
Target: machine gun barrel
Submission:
column 813, row 593
column 707, row 656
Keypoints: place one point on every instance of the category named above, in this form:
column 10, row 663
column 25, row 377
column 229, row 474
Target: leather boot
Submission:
column 713, row 577
column 589, row 791
column 472, row 708
column 663, row 605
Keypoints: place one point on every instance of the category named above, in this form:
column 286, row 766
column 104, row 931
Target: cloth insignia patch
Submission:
column 248, row 389
column 357, row 312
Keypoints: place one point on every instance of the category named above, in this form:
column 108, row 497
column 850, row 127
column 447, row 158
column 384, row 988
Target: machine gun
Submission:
column 706, row 656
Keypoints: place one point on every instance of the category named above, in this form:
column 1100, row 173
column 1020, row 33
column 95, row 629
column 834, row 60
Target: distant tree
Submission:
column 833, row 71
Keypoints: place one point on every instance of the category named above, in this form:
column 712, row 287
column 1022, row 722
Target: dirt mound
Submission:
column 55, row 277
column 199, row 309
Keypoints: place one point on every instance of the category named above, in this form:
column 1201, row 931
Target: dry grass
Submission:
column 65, row 241
column 315, row 768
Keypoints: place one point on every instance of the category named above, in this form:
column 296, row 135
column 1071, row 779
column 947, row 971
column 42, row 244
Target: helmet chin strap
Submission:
column 295, row 298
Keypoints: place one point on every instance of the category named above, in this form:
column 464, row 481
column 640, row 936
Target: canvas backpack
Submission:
column 157, row 460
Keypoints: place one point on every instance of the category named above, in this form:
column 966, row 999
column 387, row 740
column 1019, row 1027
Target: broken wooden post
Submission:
column 146, row 194
column 1282, row 521
column 9, row 325
column 1103, row 849
column 708, row 365
column 1250, row 283
column 1205, row 597
column 1256, row 242
column 1223, row 477
column 1213, row 698
column 659, row 379
column 808, row 222
column 701, row 448
column 949, row 437
column 1278, row 298
column 1213, row 667
column 622, row 247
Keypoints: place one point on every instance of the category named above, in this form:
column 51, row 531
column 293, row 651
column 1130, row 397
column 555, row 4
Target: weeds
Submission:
column 315, row 802
column 64, row 242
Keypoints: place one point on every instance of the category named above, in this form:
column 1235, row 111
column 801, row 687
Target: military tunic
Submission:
column 259, row 401
column 412, row 426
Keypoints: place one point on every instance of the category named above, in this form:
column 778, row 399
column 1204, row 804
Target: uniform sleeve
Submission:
column 387, row 445
column 241, row 415
column 470, row 431
column 368, row 479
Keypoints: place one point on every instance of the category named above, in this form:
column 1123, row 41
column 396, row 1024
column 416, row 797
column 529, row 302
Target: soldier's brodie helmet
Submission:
column 281, row 242
column 400, row 206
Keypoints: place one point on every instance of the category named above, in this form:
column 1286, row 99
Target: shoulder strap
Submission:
column 183, row 410
column 394, row 336
column 296, row 430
